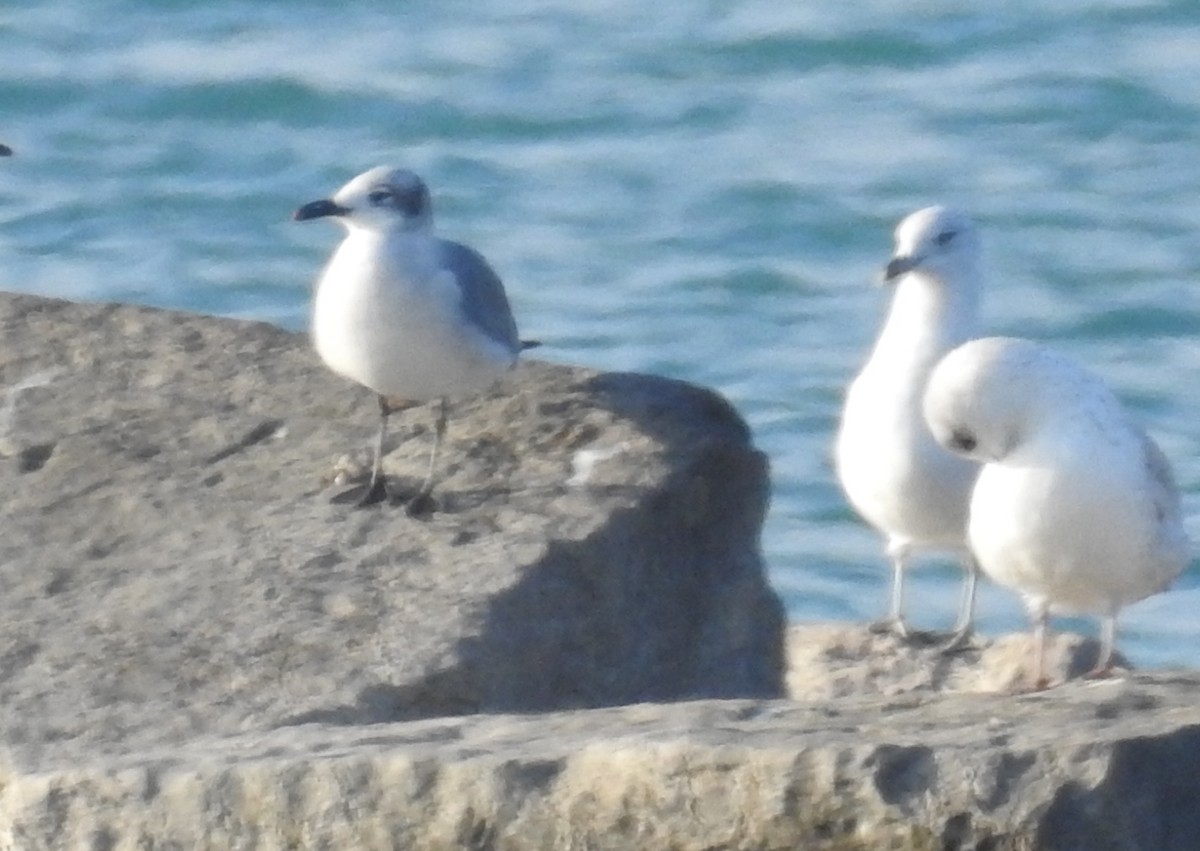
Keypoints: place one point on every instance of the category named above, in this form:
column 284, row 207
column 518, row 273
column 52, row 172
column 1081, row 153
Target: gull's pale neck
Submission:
column 412, row 226
column 928, row 317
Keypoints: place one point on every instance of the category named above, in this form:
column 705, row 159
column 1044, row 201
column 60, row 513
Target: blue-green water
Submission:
column 700, row 189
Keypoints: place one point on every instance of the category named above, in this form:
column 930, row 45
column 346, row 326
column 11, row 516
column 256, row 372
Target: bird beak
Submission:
column 5, row 151
column 319, row 209
column 898, row 266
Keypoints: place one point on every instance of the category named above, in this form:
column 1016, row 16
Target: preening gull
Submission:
column 409, row 315
column 893, row 472
column 1075, row 507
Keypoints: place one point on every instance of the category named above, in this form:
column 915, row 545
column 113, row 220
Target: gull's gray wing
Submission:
column 1163, row 490
column 483, row 298
column 1173, row 550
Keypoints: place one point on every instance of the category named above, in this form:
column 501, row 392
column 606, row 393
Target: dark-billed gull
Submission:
column 893, row 472
column 409, row 315
column 1075, row 507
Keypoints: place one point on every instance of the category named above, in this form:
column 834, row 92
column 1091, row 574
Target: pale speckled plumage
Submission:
column 1075, row 507
column 893, row 472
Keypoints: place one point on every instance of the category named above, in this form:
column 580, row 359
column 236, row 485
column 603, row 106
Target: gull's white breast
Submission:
column 387, row 315
column 893, row 471
column 1081, row 528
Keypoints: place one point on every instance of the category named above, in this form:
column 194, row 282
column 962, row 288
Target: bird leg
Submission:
column 422, row 503
column 1041, row 617
column 1108, row 638
column 964, row 624
column 894, row 622
column 375, row 491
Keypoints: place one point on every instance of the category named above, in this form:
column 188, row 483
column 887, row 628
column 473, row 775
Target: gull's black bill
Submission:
column 319, row 209
column 898, row 266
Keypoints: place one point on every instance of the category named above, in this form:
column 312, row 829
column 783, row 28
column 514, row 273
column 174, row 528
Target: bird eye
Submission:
column 379, row 196
column 944, row 237
column 962, row 440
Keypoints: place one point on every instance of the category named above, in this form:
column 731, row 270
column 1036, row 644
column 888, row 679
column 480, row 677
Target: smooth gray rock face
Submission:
column 172, row 568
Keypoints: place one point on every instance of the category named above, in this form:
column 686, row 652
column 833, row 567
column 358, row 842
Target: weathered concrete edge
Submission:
column 733, row 774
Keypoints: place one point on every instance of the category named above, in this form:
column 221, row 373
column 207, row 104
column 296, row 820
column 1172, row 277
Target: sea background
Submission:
column 704, row 190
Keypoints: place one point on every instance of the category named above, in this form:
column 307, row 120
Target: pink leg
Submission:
column 1041, row 617
column 1108, row 639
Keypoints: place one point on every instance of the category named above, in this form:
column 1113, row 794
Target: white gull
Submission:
column 1075, row 507
column 893, row 472
column 405, row 313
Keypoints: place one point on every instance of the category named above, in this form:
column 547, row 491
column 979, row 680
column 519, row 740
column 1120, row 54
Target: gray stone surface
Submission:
column 172, row 567
column 827, row 661
column 1090, row 766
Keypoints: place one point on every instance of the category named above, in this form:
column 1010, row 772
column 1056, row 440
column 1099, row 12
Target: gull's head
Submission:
column 994, row 395
column 940, row 242
column 382, row 199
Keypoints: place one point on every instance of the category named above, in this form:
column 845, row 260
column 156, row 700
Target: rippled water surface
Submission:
column 700, row 189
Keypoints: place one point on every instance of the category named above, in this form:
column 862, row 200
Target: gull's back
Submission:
column 484, row 301
column 1174, row 548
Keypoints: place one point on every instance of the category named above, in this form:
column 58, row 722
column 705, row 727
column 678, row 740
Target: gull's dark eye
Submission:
column 943, row 238
column 962, row 440
column 379, row 196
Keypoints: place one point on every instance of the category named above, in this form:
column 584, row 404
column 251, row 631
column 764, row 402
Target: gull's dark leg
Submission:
column 375, row 491
column 422, row 502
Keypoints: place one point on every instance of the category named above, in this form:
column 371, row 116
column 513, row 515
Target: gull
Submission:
column 1075, row 507
column 893, row 472
column 409, row 315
